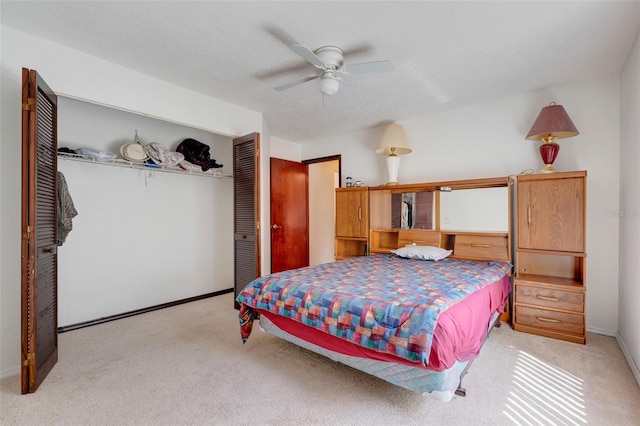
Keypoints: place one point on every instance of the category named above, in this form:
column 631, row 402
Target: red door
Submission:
column 289, row 215
column 39, row 225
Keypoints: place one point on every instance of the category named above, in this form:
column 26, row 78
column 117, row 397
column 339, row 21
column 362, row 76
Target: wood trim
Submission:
column 323, row 159
column 141, row 311
column 558, row 175
column 495, row 182
column 337, row 158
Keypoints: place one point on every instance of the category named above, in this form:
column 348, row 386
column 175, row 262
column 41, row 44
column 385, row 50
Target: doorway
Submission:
column 324, row 178
column 320, row 177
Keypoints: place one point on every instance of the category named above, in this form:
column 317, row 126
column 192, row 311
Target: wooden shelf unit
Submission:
column 383, row 240
column 550, row 280
column 465, row 244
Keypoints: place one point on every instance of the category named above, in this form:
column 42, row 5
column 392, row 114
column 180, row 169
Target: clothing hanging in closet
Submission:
column 66, row 211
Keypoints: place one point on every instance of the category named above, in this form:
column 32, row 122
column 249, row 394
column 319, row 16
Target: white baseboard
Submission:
column 602, row 332
column 627, row 355
column 12, row 371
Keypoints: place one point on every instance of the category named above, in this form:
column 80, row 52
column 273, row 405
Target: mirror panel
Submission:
column 478, row 209
column 412, row 210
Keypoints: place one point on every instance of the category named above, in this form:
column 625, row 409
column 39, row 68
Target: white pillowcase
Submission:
column 422, row 252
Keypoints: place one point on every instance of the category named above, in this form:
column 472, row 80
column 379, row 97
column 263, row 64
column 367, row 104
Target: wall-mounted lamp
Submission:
column 552, row 123
column 393, row 143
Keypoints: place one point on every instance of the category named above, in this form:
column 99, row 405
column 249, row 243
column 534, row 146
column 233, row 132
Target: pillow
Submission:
column 413, row 251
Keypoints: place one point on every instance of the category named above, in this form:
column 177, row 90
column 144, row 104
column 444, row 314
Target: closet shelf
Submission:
column 119, row 162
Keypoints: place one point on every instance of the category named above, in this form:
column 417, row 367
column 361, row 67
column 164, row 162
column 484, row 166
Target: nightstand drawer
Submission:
column 550, row 298
column 550, row 320
column 487, row 247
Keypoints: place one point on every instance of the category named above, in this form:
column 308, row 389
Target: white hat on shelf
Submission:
column 134, row 152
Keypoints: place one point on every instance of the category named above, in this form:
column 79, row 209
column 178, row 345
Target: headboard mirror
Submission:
column 478, row 209
column 459, row 206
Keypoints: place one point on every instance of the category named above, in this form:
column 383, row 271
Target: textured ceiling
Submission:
column 446, row 54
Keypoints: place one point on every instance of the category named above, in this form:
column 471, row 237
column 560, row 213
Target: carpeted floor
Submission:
column 186, row 365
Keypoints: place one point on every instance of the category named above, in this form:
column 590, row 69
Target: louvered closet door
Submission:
column 39, row 258
column 246, row 200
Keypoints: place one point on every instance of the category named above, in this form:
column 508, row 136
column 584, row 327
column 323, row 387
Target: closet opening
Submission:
column 143, row 239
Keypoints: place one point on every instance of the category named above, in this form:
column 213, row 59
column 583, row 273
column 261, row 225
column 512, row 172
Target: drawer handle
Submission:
column 543, row 319
column 547, row 298
column 481, row 245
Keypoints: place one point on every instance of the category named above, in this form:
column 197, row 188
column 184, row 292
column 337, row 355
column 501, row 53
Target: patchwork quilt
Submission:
column 383, row 302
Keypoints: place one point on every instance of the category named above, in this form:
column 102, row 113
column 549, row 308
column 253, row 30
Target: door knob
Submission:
column 276, row 226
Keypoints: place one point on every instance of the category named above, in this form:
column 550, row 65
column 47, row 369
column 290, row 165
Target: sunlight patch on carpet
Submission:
column 544, row 394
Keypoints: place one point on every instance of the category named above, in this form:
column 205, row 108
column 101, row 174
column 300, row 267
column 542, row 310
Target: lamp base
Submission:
column 393, row 165
column 548, row 168
column 549, row 151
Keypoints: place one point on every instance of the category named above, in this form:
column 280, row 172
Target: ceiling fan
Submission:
column 330, row 61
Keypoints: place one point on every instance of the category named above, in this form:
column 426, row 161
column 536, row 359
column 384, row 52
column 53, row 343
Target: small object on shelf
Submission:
column 152, row 164
column 161, row 155
column 133, row 151
column 198, row 153
column 96, row 154
column 349, row 181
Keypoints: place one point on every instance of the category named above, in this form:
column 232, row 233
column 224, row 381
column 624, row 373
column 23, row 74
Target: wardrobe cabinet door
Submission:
column 551, row 214
column 352, row 212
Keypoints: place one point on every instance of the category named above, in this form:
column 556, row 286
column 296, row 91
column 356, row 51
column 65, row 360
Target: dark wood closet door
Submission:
column 39, row 257
column 246, row 205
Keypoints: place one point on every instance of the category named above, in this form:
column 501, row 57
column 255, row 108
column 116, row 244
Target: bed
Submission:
column 416, row 323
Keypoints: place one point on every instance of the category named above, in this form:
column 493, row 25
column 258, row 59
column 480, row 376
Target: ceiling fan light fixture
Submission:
column 330, row 61
column 329, row 86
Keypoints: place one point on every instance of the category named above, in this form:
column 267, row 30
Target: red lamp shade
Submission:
column 552, row 123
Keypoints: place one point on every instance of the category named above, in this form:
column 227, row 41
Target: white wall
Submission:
column 86, row 77
column 487, row 140
column 285, row 150
column 628, row 216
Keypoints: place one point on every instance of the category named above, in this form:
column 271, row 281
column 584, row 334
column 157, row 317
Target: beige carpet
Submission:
column 186, row 366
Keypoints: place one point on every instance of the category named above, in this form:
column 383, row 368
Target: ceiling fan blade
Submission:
column 279, row 34
column 358, row 49
column 308, row 55
column 295, row 83
column 367, row 67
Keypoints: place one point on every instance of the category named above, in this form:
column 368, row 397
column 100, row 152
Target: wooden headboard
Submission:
column 465, row 245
